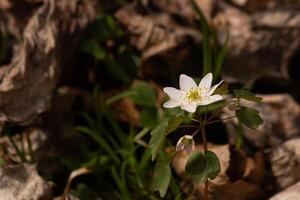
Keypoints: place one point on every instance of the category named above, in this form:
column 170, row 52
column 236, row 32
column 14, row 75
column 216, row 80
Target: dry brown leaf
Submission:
column 239, row 190
column 153, row 34
column 285, row 162
column 74, row 174
column 36, row 137
column 22, row 182
column 28, row 82
column 253, row 6
column 223, row 153
column 237, row 172
column 281, row 114
column 125, row 110
column 184, row 9
column 5, row 4
column 252, row 41
column 290, row 193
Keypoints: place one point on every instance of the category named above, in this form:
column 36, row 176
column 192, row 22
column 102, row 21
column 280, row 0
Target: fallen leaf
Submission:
column 22, row 182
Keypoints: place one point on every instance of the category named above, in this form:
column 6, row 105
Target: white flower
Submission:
column 186, row 143
column 190, row 95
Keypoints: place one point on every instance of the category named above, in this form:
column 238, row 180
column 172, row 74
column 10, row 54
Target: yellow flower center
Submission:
column 193, row 95
column 187, row 141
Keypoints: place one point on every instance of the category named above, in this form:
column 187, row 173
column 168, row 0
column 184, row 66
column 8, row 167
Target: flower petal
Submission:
column 186, row 82
column 213, row 88
column 173, row 93
column 171, row 104
column 180, row 145
column 205, row 82
column 190, row 148
column 189, row 107
column 211, row 99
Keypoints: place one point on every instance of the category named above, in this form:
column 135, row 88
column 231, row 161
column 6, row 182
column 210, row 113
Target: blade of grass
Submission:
column 119, row 96
column 120, row 184
column 102, row 143
column 240, row 136
column 220, row 58
column 119, row 132
column 18, row 151
column 205, row 29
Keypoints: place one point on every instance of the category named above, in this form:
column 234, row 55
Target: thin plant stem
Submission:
column 22, row 146
column 196, row 132
column 204, row 139
column 215, row 114
column 20, row 154
column 30, row 146
column 188, row 126
column 195, row 120
column 206, row 190
column 206, row 111
column 219, row 120
column 202, row 127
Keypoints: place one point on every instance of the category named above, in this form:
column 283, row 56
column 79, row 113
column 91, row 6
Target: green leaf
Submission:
column 203, row 166
column 196, row 164
column 2, row 162
column 222, row 90
column 240, row 136
column 162, row 177
column 158, row 136
column 173, row 123
column 149, row 117
column 212, row 107
column 144, row 94
column 246, row 94
column 249, row 117
column 213, row 164
column 102, row 143
column 93, row 48
column 115, row 69
column 118, row 97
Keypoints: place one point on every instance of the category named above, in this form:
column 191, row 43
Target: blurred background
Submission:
column 81, row 89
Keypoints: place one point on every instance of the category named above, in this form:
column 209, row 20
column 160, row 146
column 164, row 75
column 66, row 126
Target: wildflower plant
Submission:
column 200, row 104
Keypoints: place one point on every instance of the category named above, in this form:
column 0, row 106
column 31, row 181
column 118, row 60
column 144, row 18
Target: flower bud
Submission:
column 186, row 143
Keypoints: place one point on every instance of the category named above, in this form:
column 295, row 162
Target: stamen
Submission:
column 193, row 95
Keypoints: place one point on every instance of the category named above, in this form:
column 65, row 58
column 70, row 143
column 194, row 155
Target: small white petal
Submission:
column 171, row 104
column 189, row 137
column 186, row 82
column 185, row 143
column 211, row 99
column 190, row 148
column 205, row 82
column 189, row 107
column 173, row 93
column 213, row 88
column 180, row 145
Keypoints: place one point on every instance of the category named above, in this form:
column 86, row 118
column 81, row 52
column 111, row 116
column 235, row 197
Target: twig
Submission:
column 219, row 120
column 20, row 153
column 188, row 126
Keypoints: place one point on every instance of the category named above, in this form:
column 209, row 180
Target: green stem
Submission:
column 204, row 139
column 20, row 154
column 29, row 146
column 206, row 190
column 188, row 126
column 219, row 120
column 22, row 146
column 202, row 127
column 215, row 114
